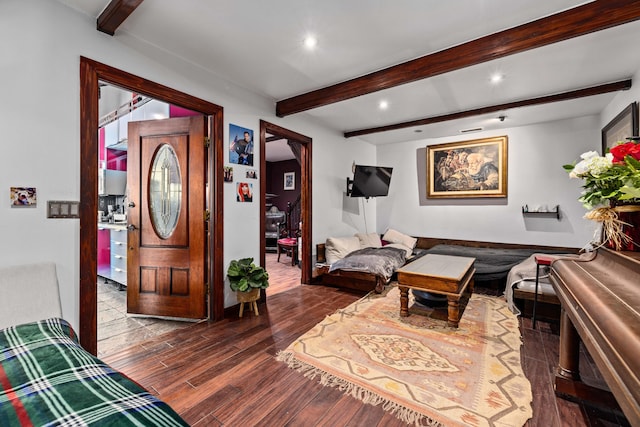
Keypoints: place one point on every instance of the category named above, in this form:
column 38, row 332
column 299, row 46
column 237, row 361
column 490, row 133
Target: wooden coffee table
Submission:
column 439, row 274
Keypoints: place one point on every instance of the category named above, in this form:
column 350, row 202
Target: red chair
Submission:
column 289, row 245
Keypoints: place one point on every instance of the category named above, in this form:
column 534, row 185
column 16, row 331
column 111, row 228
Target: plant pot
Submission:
column 249, row 297
column 629, row 215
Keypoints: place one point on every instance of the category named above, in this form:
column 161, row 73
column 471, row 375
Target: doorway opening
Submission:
column 91, row 74
column 299, row 225
column 122, row 113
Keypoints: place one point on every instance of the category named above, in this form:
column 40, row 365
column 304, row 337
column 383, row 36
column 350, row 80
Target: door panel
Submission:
column 167, row 241
column 151, row 236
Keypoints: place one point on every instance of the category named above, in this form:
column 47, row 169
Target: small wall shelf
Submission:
column 553, row 212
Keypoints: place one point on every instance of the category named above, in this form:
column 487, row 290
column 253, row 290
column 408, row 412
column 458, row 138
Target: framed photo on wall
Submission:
column 290, row 181
column 623, row 126
column 468, row 169
column 240, row 145
column 23, row 197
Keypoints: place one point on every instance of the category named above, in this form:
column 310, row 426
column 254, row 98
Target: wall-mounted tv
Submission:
column 370, row 181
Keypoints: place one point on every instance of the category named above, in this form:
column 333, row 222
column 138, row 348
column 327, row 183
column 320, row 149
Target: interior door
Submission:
column 166, row 173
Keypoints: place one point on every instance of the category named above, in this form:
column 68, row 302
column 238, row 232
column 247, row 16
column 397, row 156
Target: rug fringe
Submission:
column 366, row 396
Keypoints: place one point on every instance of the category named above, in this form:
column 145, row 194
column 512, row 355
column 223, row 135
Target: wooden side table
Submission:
column 541, row 259
column 440, row 274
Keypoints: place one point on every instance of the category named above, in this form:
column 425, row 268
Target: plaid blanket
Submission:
column 47, row 379
column 382, row 262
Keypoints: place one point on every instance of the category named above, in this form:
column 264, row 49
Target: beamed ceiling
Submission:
column 430, row 60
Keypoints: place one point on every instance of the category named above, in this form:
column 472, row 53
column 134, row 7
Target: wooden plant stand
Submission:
column 250, row 297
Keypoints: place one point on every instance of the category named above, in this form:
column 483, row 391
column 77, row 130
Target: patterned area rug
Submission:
column 418, row 368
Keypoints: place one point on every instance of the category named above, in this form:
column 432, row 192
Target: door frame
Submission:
column 305, row 192
column 91, row 72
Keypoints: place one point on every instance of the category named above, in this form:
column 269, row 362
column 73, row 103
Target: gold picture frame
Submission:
column 468, row 169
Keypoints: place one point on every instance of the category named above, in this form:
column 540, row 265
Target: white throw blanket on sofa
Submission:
column 522, row 273
column 523, row 276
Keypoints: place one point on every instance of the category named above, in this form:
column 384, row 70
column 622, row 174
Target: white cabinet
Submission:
column 116, row 268
column 116, row 133
column 156, row 110
column 111, row 134
column 119, row 256
column 123, row 127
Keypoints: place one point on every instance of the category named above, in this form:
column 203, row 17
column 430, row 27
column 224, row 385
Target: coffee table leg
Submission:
column 453, row 311
column 404, row 301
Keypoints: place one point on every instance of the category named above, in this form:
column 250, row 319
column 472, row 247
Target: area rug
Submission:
column 418, row 368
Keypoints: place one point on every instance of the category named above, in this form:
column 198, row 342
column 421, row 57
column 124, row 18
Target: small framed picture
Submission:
column 23, row 197
column 290, row 181
column 240, row 145
column 244, row 192
column 252, row 173
column 228, row 174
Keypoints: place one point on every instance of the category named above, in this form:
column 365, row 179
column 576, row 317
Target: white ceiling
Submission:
column 258, row 45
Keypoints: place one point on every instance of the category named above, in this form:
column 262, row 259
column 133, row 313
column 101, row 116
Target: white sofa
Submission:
column 28, row 293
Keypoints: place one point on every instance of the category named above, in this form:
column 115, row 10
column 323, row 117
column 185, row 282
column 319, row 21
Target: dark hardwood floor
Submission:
column 225, row 373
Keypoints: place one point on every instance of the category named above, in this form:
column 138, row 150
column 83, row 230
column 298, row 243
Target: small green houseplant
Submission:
column 245, row 276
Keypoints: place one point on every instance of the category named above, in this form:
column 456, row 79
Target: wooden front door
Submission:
column 166, row 173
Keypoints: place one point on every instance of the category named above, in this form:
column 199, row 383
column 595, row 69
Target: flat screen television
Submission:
column 371, row 181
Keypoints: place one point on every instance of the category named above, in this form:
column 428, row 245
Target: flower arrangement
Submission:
column 614, row 177
column 609, row 181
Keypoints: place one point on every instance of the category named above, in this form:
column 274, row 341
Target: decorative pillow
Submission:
column 394, row 236
column 371, row 240
column 337, row 248
column 401, row 246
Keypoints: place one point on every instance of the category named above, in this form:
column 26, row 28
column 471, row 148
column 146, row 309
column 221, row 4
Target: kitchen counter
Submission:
column 112, row 225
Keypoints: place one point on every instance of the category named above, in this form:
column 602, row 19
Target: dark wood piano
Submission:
column 600, row 299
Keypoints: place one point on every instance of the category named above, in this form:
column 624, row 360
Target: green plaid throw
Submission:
column 47, row 379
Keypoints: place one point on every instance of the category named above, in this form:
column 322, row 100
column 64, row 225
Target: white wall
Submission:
column 535, row 177
column 39, row 118
column 621, row 101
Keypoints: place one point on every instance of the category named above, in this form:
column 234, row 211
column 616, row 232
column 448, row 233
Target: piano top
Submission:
column 601, row 295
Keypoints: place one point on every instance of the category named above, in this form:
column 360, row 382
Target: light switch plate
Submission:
column 63, row 209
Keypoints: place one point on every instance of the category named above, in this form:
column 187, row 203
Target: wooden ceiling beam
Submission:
column 581, row 20
column 565, row 96
column 115, row 14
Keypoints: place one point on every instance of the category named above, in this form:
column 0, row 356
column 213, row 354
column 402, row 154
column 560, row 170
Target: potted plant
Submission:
column 611, row 191
column 246, row 279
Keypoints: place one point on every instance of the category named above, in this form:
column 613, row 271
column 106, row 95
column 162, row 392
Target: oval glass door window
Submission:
column 165, row 191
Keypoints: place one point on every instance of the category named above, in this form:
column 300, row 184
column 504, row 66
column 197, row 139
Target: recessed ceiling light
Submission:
column 496, row 78
column 310, row 42
column 383, row 105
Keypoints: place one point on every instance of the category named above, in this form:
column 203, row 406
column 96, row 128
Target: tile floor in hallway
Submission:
column 117, row 329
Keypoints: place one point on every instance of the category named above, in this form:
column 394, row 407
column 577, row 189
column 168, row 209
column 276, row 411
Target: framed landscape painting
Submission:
column 468, row 169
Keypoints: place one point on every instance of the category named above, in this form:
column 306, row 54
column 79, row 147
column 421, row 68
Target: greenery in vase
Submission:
column 609, row 179
column 244, row 275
